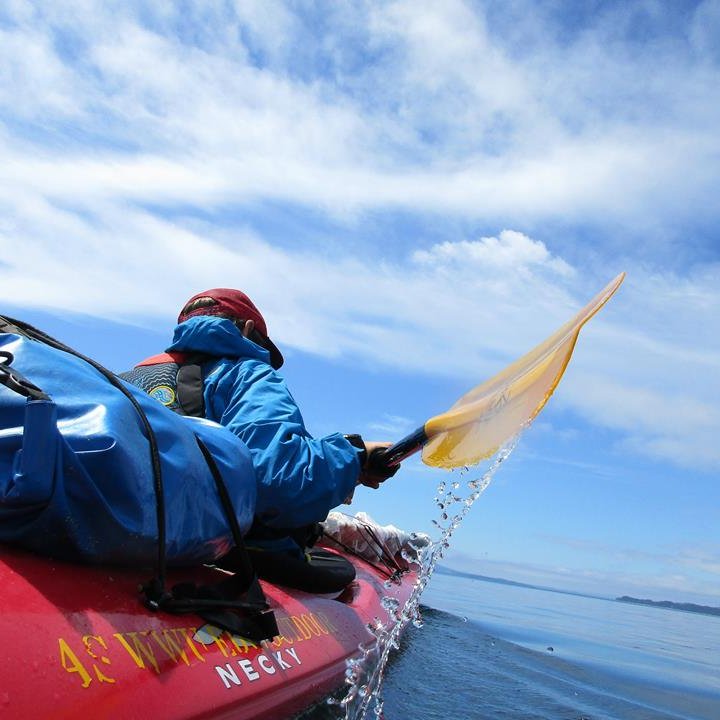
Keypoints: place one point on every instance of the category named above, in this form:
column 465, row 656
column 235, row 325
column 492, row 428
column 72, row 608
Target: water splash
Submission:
column 364, row 673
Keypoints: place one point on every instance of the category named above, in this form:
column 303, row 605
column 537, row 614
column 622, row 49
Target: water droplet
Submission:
column 390, row 603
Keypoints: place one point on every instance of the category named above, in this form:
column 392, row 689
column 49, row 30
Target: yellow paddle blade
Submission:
column 493, row 412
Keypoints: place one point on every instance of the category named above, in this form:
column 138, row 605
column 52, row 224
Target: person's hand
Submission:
column 371, row 446
column 371, row 475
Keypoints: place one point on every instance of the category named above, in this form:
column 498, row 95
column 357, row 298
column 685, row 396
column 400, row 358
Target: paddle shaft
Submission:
column 396, row 453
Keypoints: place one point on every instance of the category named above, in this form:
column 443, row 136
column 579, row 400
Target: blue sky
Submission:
column 415, row 193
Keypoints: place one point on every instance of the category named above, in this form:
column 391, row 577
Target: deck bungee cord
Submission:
column 377, row 554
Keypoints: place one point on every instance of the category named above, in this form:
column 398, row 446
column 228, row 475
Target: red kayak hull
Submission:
column 77, row 642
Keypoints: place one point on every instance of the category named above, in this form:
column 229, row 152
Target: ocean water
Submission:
column 488, row 650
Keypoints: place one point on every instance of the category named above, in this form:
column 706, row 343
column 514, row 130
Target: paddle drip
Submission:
column 364, row 674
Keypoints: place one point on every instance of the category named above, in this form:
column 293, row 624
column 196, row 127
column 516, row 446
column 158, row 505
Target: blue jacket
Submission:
column 300, row 478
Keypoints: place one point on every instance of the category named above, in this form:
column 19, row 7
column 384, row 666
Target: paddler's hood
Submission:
column 215, row 336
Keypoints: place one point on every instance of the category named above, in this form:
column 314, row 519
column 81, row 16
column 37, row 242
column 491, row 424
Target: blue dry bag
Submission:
column 79, row 475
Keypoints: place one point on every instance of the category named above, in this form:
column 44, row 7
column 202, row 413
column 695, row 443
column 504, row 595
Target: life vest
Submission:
column 173, row 379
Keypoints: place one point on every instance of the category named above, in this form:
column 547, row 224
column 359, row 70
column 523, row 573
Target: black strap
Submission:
column 7, row 326
column 226, row 502
column 16, row 381
column 220, row 603
column 12, row 378
column 258, row 627
column 190, row 388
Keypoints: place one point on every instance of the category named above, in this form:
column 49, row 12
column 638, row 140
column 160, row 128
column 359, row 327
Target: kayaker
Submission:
column 223, row 365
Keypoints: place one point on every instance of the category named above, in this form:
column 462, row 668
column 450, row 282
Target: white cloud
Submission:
column 470, row 126
column 510, row 250
column 655, row 418
column 393, row 425
column 32, row 79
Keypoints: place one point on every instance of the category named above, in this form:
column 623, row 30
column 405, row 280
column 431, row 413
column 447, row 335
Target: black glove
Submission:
column 373, row 470
column 376, row 466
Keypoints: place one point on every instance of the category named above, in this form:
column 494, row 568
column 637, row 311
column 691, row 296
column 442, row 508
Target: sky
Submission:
column 414, row 193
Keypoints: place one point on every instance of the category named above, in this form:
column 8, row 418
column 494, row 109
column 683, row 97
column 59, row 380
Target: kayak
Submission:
column 77, row 642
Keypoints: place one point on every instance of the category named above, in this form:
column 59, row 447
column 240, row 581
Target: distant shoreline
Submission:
column 666, row 604
column 443, row 570
column 686, row 607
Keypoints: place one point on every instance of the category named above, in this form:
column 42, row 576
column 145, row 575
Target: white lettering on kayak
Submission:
column 284, row 660
column 249, row 670
column 227, row 675
column 281, row 663
column 266, row 665
column 293, row 652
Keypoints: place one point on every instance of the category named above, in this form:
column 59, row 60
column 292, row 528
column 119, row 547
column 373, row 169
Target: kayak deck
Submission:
column 77, row 641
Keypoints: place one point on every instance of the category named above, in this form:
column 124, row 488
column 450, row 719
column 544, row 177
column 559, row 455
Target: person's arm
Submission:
column 300, row 478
